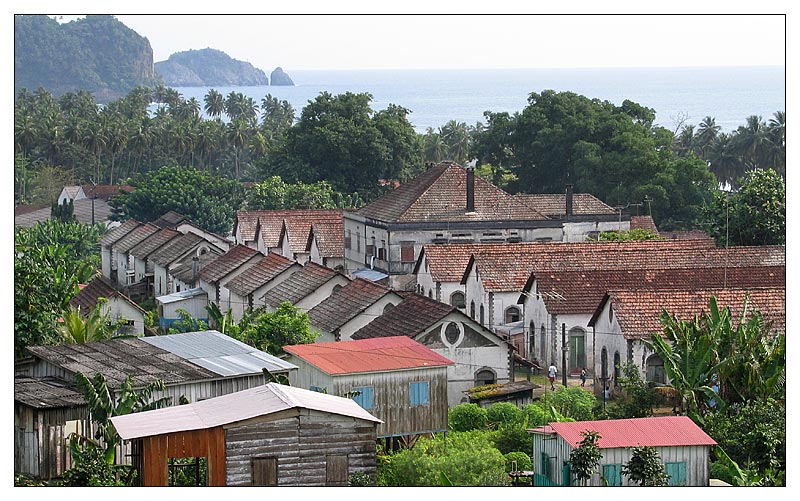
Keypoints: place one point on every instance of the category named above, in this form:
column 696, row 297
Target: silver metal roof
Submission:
column 219, row 353
column 371, row 275
column 180, row 296
column 232, row 408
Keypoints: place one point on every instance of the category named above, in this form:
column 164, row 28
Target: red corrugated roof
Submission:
column 667, row 431
column 368, row 355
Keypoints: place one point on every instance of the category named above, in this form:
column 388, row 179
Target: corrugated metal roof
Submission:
column 180, row 296
column 371, row 275
column 218, row 353
column 666, row 431
column 232, row 408
column 368, row 355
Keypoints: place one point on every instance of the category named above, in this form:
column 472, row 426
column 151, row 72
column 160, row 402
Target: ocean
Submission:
column 434, row 97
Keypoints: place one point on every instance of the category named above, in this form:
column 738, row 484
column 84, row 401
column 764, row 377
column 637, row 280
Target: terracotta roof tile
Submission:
column 555, row 204
column 301, row 284
column 153, row 242
column 638, row 312
column 89, row 296
column 346, row 303
column 439, row 194
column 120, row 231
column 228, row 262
column 644, row 223
column 368, row 355
column 298, row 225
column 330, row 238
column 414, row 315
column 259, row 275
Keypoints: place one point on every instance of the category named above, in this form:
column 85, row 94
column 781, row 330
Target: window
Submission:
column 484, row 376
column 676, row 472
column 382, row 253
column 655, row 370
column 472, row 310
column 388, row 307
column 457, row 299
column 430, row 293
column 364, row 399
column 610, row 313
column 419, row 393
column 264, row 471
column 512, row 314
column 482, row 320
column 407, row 252
column 451, row 333
column 617, row 368
column 336, row 470
column 612, row 473
column 347, row 240
column 370, row 250
column 358, row 241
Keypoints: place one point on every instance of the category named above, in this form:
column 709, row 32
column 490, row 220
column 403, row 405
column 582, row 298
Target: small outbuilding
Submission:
column 271, row 435
column 682, row 446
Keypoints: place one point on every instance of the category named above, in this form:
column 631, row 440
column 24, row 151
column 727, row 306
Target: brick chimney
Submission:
column 470, row 189
column 569, row 200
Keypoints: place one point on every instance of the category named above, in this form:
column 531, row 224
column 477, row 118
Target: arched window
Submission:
column 512, row 314
column 577, row 349
column 617, row 368
column 457, row 299
column 485, row 376
column 336, row 288
column 532, row 341
column 430, row 293
column 482, row 320
column 604, row 363
column 472, row 310
column 543, row 342
column 655, row 370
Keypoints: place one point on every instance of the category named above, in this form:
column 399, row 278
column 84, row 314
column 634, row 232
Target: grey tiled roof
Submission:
column 414, row 315
column 299, row 285
column 120, row 231
column 259, row 275
column 130, row 240
column 153, row 242
column 176, row 248
column 228, row 262
column 346, row 303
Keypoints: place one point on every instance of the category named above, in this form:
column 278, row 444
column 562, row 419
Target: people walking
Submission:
column 583, row 377
column 551, row 373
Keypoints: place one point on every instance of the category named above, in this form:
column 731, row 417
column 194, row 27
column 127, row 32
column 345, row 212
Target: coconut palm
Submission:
column 456, row 138
column 707, row 132
column 214, row 104
column 776, row 136
column 724, row 161
column 236, row 135
column 749, row 142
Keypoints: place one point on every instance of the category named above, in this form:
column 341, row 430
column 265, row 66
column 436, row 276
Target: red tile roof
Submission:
column 228, row 262
column 644, row 223
column 638, row 312
column 368, row 355
column 346, row 303
column 89, row 295
column 447, row 262
column 439, row 194
column 555, row 205
column 302, row 283
column 414, row 315
column 330, row 238
column 298, row 225
column 666, row 431
column 259, row 275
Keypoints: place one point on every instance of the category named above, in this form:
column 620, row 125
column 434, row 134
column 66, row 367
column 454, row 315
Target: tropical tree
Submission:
column 457, row 141
column 707, row 133
column 645, row 468
column 79, row 329
column 214, row 103
column 585, row 458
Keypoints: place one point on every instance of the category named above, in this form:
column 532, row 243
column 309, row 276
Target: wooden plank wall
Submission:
column 156, row 450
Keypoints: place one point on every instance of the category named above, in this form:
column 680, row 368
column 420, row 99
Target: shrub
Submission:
column 574, row 402
column 535, row 414
column 518, row 461
column 513, row 437
column 359, row 479
column 502, row 413
column 466, row 417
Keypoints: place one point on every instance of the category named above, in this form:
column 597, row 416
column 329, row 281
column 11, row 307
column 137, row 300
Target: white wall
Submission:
column 119, row 309
column 322, row 293
column 374, row 311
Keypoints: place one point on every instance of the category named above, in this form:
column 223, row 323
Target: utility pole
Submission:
column 564, row 354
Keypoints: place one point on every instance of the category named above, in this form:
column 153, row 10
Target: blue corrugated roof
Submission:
column 219, row 353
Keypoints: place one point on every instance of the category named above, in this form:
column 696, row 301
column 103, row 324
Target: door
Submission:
column 577, row 350
column 336, row 470
column 265, row 471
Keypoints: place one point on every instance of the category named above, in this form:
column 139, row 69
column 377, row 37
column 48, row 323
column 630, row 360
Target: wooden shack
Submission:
column 271, row 435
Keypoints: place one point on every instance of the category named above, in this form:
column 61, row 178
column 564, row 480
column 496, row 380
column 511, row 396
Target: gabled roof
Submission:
column 185, row 270
column 72, row 191
column 414, row 315
column 555, row 204
column 329, row 237
column 259, row 275
column 82, row 210
column 176, row 248
column 298, row 225
column 232, row 408
column 133, row 238
column 439, row 194
column 368, row 355
column 120, row 231
column 302, row 283
column 346, row 303
column 100, row 287
column 638, row 312
column 446, row 262
column 666, row 431
column 170, row 220
column 643, row 223
column 228, row 262
column 153, row 242
column 46, row 393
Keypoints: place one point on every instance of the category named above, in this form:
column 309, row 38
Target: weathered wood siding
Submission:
column 156, row 450
column 300, row 440
column 391, row 396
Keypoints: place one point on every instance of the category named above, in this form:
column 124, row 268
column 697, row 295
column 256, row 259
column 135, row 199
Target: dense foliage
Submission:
column 637, row 398
column 467, row 417
column 635, row 234
column 273, row 193
column 753, row 215
column 518, row 461
column 502, row 413
column 573, row 402
column 585, row 458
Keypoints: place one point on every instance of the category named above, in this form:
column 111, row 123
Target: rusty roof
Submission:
column 46, row 392
column 120, row 231
column 100, row 287
column 153, row 242
column 555, row 204
column 666, row 431
column 414, row 315
column 301, row 284
column 138, row 234
column 232, row 408
column 439, row 194
column 176, row 248
column 368, row 355
column 446, row 262
column 298, row 225
column 638, row 311
column 261, row 274
column 228, row 262
column 346, row 303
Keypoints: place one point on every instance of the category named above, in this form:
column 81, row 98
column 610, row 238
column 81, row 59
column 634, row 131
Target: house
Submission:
column 119, row 307
column 447, row 203
column 624, row 318
column 247, row 289
column 401, row 382
column 173, row 254
column 288, row 232
column 681, row 445
column 218, row 272
column 185, row 226
column 271, row 435
column 307, row 288
column 108, row 257
column 326, row 244
column 125, row 275
column 71, row 193
column 192, row 301
column 105, row 192
column 479, row 356
column 193, row 365
column 143, row 266
column 439, row 270
column 349, row 308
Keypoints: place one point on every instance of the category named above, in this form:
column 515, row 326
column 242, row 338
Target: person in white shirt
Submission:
column 551, row 373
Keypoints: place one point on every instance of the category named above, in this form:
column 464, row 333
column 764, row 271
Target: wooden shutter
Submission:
column 676, row 472
column 407, row 252
column 336, row 470
column 265, row 471
column 613, row 474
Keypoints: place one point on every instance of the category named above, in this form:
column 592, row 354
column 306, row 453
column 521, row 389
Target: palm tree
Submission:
column 724, row 161
column 237, row 137
column 24, row 136
column 706, row 135
column 79, row 330
column 776, row 137
column 214, row 103
column 433, row 146
column 749, row 141
column 456, row 138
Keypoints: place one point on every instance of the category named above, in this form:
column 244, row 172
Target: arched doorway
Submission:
column 577, row 349
column 655, row 369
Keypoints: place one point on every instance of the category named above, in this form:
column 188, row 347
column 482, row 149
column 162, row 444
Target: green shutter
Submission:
column 565, row 474
column 676, row 472
column 613, row 474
